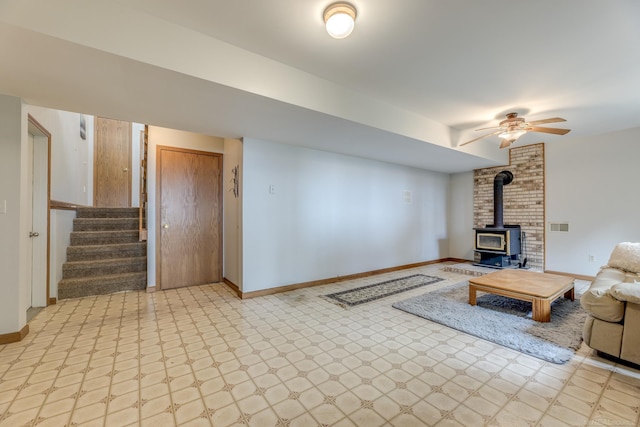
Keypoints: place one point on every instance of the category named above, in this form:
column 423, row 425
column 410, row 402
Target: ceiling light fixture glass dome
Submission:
column 340, row 19
column 512, row 134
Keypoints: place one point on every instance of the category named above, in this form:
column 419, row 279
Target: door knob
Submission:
column 165, row 225
column 125, row 169
column 33, row 234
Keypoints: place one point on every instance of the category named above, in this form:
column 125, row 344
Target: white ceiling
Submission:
column 413, row 81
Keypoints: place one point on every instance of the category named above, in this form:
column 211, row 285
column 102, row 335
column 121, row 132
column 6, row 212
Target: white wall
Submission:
column 460, row 222
column 71, row 156
column 232, row 212
column 592, row 183
column 173, row 138
column 333, row 215
column 61, row 228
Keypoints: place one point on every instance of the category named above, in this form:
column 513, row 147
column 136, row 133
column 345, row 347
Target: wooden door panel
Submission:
column 190, row 217
column 112, row 169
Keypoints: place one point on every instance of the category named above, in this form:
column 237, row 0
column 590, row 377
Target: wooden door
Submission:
column 112, row 166
column 189, row 203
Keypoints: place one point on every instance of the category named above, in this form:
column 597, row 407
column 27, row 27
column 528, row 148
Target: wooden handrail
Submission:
column 144, row 144
column 64, row 206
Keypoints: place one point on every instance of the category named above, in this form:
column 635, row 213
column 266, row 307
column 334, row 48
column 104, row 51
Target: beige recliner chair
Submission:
column 613, row 304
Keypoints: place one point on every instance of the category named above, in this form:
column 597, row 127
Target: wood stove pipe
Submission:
column 500, row 180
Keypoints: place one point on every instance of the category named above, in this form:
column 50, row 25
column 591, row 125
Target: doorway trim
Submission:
column 158, row 203
column 36, row 128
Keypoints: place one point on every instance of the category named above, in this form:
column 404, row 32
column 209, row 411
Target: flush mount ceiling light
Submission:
column 340, row 19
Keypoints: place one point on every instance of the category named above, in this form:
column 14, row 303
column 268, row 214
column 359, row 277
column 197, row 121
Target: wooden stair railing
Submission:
column 144, row 144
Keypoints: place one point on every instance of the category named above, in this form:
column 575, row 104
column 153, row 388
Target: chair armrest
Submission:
column 629, row 292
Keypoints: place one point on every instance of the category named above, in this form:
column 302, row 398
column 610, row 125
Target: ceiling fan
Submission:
column 513, row 127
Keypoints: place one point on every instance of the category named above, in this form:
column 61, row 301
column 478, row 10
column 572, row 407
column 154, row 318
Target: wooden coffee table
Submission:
column 541, row 289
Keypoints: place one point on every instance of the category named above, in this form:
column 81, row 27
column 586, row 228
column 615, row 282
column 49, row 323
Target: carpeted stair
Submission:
column 105, row 254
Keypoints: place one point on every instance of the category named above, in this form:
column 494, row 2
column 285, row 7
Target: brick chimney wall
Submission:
column 523, row 199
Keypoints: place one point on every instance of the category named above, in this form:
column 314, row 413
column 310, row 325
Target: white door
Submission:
column 39, row 150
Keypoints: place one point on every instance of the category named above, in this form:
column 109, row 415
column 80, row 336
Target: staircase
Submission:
column 105, row 254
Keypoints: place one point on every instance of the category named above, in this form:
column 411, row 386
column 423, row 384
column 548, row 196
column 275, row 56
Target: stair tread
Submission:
column 108, row 245
column 107, row 284
column 93, row 212
column 107, row 251
column 107, row 260
column 106, row 219
column 135, row 275
column 105, row 231
column 123, row 236
column 106, row 209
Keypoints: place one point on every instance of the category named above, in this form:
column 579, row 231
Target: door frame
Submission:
column 36, row 129
column 158, row 230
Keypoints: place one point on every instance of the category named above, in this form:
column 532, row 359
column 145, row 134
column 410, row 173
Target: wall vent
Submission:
column 558, row 226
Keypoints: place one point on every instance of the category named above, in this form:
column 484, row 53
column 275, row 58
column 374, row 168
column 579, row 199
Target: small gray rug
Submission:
column 505, row 321
column 368, row 293
column 469, row 269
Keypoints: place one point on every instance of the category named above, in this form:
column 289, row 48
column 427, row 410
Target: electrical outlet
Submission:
column 592, row 258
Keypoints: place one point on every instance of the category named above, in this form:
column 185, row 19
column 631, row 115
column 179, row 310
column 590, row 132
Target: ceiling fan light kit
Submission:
column 512, row 134
column 340, row 19
column 513, row 127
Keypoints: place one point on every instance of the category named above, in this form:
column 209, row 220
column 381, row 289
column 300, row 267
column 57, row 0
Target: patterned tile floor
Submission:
column 199, row 356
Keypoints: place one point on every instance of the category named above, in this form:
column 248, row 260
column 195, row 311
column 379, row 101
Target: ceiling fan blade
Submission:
column 491, row 127
column 480, row 137
column 552, row 120
column 504, row 143
column 548, row 130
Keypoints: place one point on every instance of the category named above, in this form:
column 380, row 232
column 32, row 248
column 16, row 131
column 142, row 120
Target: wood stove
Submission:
column 498, row 245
